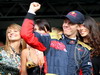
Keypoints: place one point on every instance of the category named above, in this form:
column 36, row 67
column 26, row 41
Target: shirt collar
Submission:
column 68, row 40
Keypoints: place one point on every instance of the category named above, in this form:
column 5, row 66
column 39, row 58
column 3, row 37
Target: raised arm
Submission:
column 28, row 26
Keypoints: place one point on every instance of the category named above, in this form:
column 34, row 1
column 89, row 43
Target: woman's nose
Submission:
column 11, row 32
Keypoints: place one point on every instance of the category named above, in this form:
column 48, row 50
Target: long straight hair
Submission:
column 7, row 43
column 94, row 35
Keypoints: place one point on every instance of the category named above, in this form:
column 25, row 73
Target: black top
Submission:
column 35, row 71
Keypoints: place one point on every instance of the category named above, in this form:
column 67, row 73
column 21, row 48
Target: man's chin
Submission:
column 66, row 34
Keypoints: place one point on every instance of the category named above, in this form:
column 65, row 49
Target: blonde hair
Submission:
column 56, row 30
column 7, row 44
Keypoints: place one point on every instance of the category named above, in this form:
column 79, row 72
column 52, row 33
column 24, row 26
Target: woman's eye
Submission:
column 15, row 31
column 8, row 32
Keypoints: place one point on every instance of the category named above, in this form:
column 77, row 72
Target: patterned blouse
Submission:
column 9, row 63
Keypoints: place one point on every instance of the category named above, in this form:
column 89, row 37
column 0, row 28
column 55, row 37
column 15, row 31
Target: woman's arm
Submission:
column 23, row 62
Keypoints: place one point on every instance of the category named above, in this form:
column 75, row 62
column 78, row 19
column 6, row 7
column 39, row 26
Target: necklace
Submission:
column 15, row 56
column 14, row 51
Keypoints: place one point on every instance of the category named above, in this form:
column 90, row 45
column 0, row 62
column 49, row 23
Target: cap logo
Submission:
column 74, row 14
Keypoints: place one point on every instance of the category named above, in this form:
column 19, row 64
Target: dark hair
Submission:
column 42, row 23
column 94, row 35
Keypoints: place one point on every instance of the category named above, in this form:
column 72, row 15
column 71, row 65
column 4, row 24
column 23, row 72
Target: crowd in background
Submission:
column 21, row 55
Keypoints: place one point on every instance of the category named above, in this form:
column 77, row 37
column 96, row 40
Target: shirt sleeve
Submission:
column 86, row 65
column 35, row 40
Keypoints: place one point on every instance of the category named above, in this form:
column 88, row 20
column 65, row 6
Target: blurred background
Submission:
column 14, row 11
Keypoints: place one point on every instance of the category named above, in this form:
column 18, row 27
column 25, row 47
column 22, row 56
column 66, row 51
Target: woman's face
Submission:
column 13, row 34
column 83, row 30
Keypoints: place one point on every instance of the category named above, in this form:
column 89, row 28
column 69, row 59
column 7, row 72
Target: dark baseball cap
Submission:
column 75, row 17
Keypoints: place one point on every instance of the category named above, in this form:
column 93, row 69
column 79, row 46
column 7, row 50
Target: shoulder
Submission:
column 24, row 51
column 1, row 48
column 54, row 35
column 41, row 34
column 84, row 45
column 24, row 54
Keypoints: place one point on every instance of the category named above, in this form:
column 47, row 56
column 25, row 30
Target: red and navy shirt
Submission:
column 63, row 56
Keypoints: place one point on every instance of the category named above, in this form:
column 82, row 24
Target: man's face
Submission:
column 70, row 29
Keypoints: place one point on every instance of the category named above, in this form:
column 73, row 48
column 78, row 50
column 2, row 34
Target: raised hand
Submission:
column 34, row 6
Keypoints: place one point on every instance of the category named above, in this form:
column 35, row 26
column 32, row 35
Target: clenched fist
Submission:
column 34, row 6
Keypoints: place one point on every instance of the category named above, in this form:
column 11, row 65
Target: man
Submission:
column 64, row 56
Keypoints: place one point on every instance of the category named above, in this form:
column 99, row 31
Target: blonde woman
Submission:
column 10, row 53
